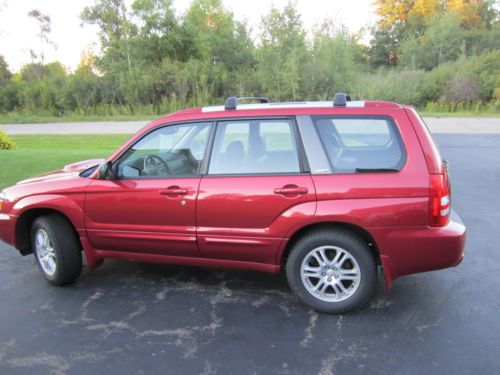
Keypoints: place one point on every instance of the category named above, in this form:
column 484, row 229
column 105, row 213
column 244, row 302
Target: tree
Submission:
column 155, row 61
column 282, row 53
column 44, row 29
column 480, row 40
column 5, row 73
column 473, row 14
column 115, row 34
column 384, row 46
column 8, row 89
column 331, row 66
column 159, row 31
column 393, row 12
column 219, row 38
column 442, row 41
column 83, row 87
column 398, row 21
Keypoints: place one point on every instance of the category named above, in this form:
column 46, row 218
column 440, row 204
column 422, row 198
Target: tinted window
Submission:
column 175, row 150
column 260, row 146
column 357, row 145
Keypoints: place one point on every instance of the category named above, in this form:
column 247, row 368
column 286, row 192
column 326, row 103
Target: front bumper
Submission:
column 7, row 228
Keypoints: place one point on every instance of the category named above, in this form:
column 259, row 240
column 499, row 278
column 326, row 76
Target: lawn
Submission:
column 16, row 118
column 37, row 154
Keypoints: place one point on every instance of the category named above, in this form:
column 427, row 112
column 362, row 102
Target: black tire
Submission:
column 66, row 246
column 350, row 243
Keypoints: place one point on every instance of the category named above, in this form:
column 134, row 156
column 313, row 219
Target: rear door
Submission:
column 368, row 169
column 257, row 184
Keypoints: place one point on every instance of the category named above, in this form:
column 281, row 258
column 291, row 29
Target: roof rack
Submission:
column 232, row 101
column 341, row 99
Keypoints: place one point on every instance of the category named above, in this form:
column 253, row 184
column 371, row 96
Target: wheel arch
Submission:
column 353, row 228
column 25, row 221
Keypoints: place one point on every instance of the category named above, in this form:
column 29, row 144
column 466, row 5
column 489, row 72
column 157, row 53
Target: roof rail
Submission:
column 341, row 99
column 232, row 101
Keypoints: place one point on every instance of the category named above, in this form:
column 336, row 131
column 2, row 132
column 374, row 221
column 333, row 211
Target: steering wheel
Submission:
column 192, row 159
column 155, row 166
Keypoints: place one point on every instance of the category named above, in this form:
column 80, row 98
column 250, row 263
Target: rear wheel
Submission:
column 332, row 271
column 57, row 249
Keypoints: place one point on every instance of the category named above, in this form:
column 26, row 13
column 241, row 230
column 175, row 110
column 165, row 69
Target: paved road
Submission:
column 125, row 127
column 140, row 318
column 437, row 125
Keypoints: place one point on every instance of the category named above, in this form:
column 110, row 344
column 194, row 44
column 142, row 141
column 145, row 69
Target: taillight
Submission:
column 439, row 200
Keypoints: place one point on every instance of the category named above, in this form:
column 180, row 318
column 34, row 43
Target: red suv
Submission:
column 328, row 191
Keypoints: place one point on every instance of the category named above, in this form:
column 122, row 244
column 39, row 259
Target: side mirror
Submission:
column 106, row 171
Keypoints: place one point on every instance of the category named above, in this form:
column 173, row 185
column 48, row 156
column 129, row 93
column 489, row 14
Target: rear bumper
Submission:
column 7, row 228
column 405, row 251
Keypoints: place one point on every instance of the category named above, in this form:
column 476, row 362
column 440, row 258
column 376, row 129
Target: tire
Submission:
column 350, row 279
column 57, row 249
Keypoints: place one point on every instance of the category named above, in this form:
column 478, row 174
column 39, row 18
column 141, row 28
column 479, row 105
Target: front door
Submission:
column 150, row 206
column 255, row 189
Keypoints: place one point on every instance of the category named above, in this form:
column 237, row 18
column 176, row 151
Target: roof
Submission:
column 310, row 104
column 273, row 109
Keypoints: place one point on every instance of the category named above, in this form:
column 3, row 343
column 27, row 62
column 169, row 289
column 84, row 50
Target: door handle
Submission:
column 291, row 190
column 174, row 190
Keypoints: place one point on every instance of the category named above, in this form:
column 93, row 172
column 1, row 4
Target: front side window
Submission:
column 361, row 145
column 254, row 147
column 175, row 150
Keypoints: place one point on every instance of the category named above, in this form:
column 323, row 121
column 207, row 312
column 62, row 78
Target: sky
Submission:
column 18, row 32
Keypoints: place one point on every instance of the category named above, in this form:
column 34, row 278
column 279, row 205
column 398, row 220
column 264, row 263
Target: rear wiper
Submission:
column 375, row 170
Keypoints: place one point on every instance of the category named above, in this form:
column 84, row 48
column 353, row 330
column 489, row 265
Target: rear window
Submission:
column 254, row 147
column 362, row 144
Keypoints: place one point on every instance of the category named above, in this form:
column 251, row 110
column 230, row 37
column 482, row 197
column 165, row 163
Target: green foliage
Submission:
column 5, row 73
column 332, row 65
column 6, row 143
column 441, row 42
column 400, row 86
column 282, row 53
column 153, row 61
column 384, row 46
column 462, row 89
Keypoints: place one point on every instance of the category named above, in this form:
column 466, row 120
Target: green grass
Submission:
column 37, row 119
column 36, row 154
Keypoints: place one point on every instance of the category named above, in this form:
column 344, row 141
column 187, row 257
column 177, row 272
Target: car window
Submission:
column 175, row 150
column 363, row 133
column 253, row 147
column 364, row 144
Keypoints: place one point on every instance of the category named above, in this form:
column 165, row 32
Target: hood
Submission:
column 69, row 171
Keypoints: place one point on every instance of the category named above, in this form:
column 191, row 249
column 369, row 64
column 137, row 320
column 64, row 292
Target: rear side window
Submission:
column 254, row 147
column 362, row 144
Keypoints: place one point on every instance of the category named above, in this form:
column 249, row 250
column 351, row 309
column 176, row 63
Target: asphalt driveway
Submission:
column 143, row 318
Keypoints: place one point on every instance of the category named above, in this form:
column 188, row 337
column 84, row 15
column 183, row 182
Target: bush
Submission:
column 462, row 89
column 404, row 87
column 6, row 143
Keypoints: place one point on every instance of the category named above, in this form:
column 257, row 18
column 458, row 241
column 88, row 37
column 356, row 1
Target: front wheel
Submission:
column 332, row 271
column 57, row 249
